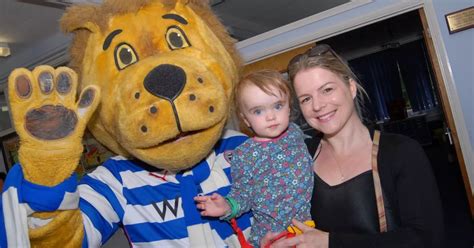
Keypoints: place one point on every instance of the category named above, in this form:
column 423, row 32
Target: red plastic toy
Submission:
column 292, row 231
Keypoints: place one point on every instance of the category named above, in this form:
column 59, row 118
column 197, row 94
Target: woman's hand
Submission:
column 311, row 237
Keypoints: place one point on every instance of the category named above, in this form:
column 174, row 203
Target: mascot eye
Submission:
column 124, row 56
column 176, row 38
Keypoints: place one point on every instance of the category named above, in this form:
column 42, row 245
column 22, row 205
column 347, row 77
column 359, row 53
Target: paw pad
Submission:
column 46, row 82
column 64, row 83
column 23, row 87
column 50, row 122
column 43, row 103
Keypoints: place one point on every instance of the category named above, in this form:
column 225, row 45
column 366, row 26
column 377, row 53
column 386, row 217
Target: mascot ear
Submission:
column 80, row 17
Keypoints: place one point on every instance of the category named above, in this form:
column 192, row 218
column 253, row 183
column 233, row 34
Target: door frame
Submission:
column 447, row 110
column 273, row 43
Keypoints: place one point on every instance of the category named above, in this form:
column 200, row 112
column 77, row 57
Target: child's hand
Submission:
column 214, row 205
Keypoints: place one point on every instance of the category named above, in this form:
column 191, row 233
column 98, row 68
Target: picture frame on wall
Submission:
column 10, row 145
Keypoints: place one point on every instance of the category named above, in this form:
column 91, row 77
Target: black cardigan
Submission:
column 409, row 186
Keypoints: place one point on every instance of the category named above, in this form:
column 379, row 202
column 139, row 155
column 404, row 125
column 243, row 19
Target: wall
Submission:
column 460, row 52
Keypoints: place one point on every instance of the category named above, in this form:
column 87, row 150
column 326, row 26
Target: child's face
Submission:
column 267, row 115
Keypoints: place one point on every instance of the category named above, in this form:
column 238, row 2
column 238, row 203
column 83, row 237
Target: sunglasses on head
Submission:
column 318, row 50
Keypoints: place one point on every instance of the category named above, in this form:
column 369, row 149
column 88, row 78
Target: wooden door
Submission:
column 446, row 108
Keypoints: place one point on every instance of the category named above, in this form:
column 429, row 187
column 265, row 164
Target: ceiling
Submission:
column 247, row 18
column 22, row 24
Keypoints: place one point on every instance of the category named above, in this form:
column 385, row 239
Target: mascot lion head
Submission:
column 166, row 70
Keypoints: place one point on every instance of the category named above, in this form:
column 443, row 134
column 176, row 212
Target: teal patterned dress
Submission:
column 274, row 179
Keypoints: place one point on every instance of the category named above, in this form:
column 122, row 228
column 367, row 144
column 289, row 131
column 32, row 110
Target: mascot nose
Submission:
column 165, row 81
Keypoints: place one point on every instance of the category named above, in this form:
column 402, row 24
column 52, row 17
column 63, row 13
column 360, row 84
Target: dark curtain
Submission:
column 378, row 74
column 414, row 68
column 382, row 73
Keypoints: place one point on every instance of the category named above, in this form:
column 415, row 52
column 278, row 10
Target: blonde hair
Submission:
column 330, row 61
column 265, row 80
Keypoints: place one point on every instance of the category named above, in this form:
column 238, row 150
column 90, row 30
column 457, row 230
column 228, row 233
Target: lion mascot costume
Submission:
column 152, row 80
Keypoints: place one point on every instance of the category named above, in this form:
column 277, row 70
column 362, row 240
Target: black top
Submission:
column 334, row 206
column 348, row 210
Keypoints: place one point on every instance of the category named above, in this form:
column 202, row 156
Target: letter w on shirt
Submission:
column 167, row 207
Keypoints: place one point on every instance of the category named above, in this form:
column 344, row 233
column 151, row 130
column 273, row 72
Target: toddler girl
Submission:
column 271, row 172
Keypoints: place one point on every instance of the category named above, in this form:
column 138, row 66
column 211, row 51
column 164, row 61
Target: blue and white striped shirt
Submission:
column 156, row 208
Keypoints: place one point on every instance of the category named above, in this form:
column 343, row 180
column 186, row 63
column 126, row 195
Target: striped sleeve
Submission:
column 102, row 205
column 20, row 199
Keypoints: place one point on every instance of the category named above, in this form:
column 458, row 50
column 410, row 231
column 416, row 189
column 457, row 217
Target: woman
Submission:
column 370, row 189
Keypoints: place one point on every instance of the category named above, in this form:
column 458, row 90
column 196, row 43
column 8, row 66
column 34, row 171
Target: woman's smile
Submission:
column 326, row 117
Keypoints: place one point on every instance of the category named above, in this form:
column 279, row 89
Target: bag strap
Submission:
column 377, row 186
